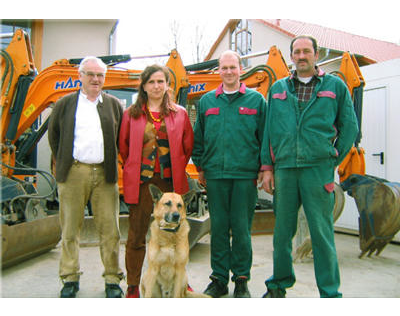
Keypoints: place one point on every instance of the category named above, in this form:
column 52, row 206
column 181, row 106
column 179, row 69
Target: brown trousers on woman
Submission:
column 139, row 222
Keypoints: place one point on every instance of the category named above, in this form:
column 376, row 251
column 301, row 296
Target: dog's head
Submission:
column 169, row 207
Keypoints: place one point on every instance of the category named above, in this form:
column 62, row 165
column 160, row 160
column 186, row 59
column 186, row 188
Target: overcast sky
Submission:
column 157, row 38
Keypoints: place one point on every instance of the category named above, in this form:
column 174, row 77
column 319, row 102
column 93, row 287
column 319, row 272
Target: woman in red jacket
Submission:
column 155, row 143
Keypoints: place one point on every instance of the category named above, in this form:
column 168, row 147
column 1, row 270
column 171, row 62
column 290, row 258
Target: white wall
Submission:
column 75, row 39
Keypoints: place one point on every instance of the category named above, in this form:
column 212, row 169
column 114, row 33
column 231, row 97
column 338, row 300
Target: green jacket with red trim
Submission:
column 325, row 129
column 229, row 134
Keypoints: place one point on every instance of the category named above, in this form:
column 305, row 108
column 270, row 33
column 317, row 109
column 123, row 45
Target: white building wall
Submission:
column 75, row 39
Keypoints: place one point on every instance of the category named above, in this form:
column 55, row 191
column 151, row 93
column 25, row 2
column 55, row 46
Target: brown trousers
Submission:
column 139, row 222
column 87, row 182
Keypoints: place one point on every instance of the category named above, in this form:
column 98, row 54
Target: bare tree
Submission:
column 175, row 27
column 199, row 44
column 195, row 43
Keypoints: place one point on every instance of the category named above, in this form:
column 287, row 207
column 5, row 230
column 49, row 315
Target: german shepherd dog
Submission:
column 168, row 249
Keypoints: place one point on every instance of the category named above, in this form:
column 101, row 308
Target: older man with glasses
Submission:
column 83, row 132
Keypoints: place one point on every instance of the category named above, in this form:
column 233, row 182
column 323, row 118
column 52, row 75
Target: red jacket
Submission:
column 180, row 138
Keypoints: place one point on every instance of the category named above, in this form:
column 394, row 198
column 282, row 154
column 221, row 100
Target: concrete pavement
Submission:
column 369, row 277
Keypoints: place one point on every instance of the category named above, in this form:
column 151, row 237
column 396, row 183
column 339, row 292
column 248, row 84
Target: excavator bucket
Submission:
column 28, row 227
column 378, row 203
column 29, row 239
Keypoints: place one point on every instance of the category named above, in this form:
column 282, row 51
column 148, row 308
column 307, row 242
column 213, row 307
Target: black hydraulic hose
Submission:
column 7, row 57
column 266, row 68
column 7, row 66
column 53, row 185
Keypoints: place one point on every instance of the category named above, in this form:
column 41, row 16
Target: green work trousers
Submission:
column 312, row 187
column 231, row 205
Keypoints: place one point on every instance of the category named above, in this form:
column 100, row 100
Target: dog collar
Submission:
column 171, row 230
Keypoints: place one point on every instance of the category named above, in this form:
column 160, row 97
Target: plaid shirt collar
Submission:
column 304, row 91
column 318, row 73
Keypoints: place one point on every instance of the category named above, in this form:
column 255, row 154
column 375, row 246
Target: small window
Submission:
column 10, row 26
column 241, row 40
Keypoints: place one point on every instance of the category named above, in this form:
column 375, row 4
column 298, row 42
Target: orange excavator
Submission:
column 29, row 221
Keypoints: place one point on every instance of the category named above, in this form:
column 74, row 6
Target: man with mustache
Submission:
column 311, row 126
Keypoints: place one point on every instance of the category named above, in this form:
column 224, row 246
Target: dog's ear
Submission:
column 187, row 197
column 155, row 192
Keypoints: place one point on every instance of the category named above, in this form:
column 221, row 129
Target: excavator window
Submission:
column 127, row 96
column 10, row 26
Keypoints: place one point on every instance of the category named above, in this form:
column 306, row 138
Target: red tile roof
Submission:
column 334, row 39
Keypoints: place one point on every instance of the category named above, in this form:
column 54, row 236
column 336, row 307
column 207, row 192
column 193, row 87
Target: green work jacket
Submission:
column 325, row 129
column 228, row 134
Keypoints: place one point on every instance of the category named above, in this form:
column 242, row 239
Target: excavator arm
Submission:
column 349, row 72
column 59, row 80
column 16, row 64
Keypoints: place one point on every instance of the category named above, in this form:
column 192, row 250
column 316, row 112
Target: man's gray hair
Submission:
column 92, row 58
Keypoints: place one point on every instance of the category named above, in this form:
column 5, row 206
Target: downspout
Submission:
column 327, row 51
column 111, row 38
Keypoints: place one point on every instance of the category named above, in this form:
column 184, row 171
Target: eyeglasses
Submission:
column 90, row 74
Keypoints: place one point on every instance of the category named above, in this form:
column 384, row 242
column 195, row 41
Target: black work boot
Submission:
column 241, row 289
column 275, row 293
column 69, row 289
column 216, row 288
column 113, row 291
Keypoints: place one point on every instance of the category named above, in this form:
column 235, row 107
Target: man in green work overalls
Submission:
column 227, row 152
column 311, row 126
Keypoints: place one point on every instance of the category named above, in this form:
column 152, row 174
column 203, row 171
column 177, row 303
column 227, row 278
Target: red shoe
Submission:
column 189, row 288
column 133, row 291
